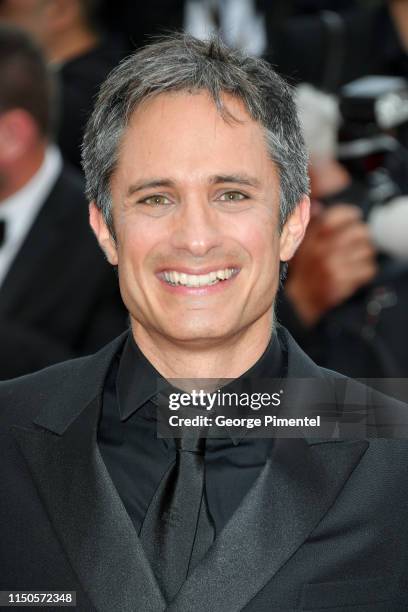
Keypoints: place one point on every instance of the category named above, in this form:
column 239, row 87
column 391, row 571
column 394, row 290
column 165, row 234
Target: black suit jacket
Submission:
column 79, row 82
column 60, row 298
column 329, row 53
column 323, row 528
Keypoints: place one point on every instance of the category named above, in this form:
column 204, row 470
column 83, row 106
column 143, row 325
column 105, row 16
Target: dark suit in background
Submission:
column 79, row 80
column 333, row 48
column 60, row 297
column 348, row 339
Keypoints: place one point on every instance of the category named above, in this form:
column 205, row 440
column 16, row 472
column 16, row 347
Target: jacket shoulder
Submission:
column 59, row 387
column 21, row 398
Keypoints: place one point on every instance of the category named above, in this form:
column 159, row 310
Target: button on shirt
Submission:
column 137, row 459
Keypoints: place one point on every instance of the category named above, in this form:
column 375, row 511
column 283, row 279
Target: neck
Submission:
column 22, row 171
column 223, row 358
column 71, row 44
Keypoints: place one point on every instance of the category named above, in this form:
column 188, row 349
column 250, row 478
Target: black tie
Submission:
column 2, row 232
column 177, row 530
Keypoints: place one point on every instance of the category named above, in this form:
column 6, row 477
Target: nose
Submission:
column 197, row 229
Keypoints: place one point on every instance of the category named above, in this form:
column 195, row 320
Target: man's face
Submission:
column 196, row 215
column 26, row 14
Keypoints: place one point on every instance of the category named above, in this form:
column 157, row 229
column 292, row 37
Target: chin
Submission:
column 199, row 335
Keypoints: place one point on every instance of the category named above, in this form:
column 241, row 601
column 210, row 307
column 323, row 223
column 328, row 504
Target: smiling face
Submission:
column 196, row 217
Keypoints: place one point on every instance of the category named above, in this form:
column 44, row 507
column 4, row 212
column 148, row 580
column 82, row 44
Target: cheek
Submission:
column 263, row 247
column 132, row 252
column 259, row 237
column 137, row 255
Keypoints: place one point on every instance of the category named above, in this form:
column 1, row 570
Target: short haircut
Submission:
column 180, row 62
column 24, row 78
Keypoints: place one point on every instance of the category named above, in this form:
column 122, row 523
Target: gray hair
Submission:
column 180, row 62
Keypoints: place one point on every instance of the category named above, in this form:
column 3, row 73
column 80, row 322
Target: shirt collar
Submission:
column 27, row 200
column 21, row 209
column 138, row 381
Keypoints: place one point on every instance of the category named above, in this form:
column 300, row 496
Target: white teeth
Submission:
column 197, row 280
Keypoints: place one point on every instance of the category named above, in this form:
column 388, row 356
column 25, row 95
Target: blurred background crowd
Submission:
column 345, row 298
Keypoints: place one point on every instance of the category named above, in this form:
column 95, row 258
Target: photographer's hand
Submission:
column 336, row 258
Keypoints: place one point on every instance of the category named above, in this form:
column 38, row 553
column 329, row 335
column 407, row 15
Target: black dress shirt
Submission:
column 137, row 459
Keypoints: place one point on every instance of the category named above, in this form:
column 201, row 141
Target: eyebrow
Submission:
column 238, row 179
column 151, row 184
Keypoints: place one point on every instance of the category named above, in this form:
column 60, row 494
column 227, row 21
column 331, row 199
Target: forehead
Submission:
column 185, row 133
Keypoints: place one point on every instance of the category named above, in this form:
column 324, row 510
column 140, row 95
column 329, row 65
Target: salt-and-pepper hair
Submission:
column 180, row 62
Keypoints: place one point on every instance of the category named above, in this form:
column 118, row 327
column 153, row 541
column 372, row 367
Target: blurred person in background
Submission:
column 58, row 296
column 239, row 22
column 78, row 51
column 324, row 42
column 338, row 42
column 344, row 300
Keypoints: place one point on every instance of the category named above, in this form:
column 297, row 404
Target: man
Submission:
column 79, row 53
column 58, row 297
column 197, row 176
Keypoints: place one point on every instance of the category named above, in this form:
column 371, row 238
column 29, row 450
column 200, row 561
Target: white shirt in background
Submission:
column 241, row 26
column 20, row 209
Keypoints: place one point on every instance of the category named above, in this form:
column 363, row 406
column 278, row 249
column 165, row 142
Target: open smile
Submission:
column 176, row 278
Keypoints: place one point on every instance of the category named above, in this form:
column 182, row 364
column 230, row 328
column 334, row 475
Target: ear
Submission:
column 102, row 233
column 294, row 229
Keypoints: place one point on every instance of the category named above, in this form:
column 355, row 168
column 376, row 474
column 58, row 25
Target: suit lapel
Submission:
column 298, row 485
column 32, row 263
column 294, row 491
column 84, row 507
